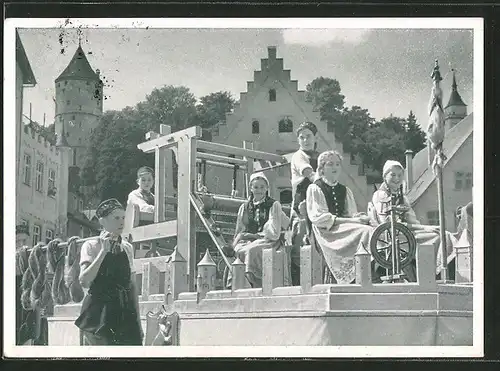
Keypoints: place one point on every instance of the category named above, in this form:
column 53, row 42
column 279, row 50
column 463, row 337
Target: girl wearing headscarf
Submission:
column 258, row 226
column 392, row 174
column 337, row 226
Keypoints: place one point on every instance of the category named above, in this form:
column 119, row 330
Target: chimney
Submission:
column 409, row 169
column 271, row 52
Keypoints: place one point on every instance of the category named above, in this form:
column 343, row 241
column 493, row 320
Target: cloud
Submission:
column 319, row 37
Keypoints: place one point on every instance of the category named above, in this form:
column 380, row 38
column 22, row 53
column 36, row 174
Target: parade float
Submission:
column 182, row 302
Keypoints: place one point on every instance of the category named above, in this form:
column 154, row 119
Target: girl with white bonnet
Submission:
column 258, row 226
column 393, row 173
column 337, row 226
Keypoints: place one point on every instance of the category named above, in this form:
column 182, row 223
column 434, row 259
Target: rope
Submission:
column 72, row 271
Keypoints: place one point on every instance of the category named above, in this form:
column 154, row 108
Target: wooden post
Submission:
column 178, row 269
column 159, row 212
column 169, row 181
column 426, row 271
column 272, row 270
column 248, row 145
column 150, row 280
column 310, row 267
column 463, row 259
column 186, row 216
column 238, row 275
column 362, row 260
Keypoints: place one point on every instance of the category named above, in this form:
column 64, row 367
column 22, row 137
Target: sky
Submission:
column 386, row 71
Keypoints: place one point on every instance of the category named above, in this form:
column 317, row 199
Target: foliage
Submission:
column 213, row 108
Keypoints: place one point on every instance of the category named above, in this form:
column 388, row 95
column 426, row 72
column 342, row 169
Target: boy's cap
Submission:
column 107, row 207
column 145, row 170
column 307, row 125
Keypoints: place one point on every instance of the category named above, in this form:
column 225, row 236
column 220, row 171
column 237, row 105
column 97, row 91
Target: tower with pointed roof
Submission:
column 456, row 110
column 79, row 103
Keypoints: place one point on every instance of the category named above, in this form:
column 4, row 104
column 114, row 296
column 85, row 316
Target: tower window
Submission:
column 63, row 90
column 65, row 83
column 79, row 90
column 255, row 127
column 80, row 124
column 73, row 117
column 272, row 95
column 80, row 107
column 285, row 126
column 88, row 82
column 68, row 102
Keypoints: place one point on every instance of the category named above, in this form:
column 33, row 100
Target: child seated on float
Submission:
column 337, row 226
column 303, row 167
column 142, row 196
column 392, row 174
column 258, row 226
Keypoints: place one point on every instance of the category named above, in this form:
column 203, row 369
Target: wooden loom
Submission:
column 189, row 151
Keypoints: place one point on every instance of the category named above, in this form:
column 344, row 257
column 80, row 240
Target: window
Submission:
column 286, row 196
column 63, row 90
column 49, row 235
column 51, row 189
column 73, row 117
column 255, row 127
column 330, row 127
column 58, row 84
column 285, row 126
column 36, row 234
column 459, row 180
column 65, row 83
column 27, row 169
column 80, row 205
column 433, row 217
column 272, row 95
column 88, row 82
column 80, row 107
column 468, row 181
column 68, row 102
column 80, row 124
column 39, row 176
column 74, row 156
column 25, row 222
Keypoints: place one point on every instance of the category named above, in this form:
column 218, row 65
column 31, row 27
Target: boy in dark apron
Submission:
column 110, row 311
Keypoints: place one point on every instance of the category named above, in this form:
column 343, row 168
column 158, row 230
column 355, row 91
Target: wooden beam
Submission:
column 155, row 231
column 237, row 151
column 221, row 164
column 248, row 145
column 159, row 210
column 170, row 140
column 169, row 180
column 223, row 159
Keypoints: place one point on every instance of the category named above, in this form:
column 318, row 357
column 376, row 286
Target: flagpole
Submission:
column 436, row 138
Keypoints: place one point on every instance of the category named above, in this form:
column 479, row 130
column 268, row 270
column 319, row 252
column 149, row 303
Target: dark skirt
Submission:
column 110, row 320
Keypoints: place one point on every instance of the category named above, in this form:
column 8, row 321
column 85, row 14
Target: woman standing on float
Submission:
column 337, row 227
column 258, row 226
column 110, row 311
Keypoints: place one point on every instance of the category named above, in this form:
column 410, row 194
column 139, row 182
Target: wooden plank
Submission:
column 223, row 159
column 170, row 140
column 238, row 151
column 169, row 179
column 155, row 231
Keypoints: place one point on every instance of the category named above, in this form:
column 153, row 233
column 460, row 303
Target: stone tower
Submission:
column 79, row 102
column 456, row 110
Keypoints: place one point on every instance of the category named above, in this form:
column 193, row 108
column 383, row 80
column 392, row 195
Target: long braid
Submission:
column 55, row 257
column 72, row 271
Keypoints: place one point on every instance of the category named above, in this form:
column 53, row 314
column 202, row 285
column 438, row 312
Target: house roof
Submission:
column 78, row 68
column 423, row 176
column 24, row 64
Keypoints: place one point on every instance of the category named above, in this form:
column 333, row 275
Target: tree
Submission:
column 351, row 126
column 213, row 108
column 415, row 136
column 170, row 105
column 326, row 97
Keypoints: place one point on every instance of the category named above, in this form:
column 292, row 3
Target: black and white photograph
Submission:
column 243, row 187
